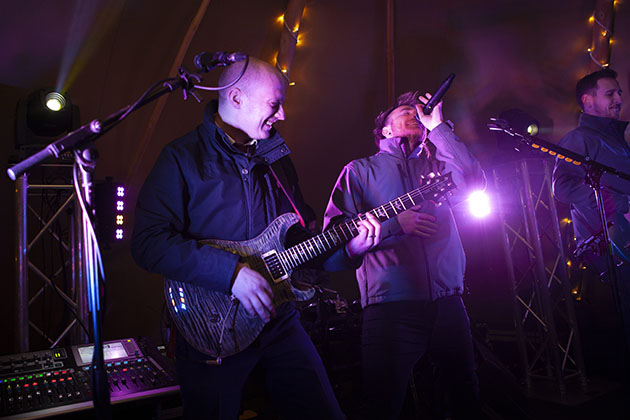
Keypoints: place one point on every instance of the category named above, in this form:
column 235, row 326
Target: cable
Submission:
column 232, row 83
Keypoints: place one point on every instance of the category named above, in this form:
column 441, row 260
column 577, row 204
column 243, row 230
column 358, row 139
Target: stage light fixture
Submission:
column 41, row 118
column 55, row 101
column 479, row 204
column 532, row 129
column 110, row 210
column 521, row 121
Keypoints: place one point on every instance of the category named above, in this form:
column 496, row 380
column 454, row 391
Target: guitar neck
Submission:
column 344, row 232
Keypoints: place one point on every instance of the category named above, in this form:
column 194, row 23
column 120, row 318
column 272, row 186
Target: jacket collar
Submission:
column 266, row 150
column 605, row 125
column 394, row 146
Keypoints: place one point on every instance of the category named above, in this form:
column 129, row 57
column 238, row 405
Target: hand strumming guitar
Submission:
column 414, row 222
column 253, row 291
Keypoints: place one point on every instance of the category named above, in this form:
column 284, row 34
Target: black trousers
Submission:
column 295, row 377
column 396, row 335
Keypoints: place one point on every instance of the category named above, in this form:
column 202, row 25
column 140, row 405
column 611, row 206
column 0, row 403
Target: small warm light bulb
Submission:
column 284, row 70
column 604, row 33
column 591, row 19
column 281, row 19
column 296, row 27
column 292, row 84
column 298, row 40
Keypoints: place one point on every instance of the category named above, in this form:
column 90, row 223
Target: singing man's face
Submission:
column 402, row 122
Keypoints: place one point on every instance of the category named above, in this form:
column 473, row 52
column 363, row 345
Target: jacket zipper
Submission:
column 407, row 180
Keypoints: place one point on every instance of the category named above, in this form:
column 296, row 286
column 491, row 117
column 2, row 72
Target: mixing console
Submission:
column 48, row 382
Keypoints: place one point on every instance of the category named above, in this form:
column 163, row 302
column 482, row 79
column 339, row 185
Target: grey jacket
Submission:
column 602, row 140
column 405, row 267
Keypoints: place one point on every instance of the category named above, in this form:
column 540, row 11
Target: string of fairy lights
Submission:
column 297, row 40
column 606, row 34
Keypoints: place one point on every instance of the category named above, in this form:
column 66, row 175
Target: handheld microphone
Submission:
column 437, row 96
column 206, row 61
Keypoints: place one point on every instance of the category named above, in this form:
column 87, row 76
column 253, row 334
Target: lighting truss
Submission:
column 49, row 260
column 544, row 314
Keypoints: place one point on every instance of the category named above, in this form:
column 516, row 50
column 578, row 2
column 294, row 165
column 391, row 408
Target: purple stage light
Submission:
column 479, row 204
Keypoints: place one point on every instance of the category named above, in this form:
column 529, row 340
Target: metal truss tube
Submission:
column 574, row 341
column 73, row 295
column 540, row 277
column 507, row 249
column 21, row 264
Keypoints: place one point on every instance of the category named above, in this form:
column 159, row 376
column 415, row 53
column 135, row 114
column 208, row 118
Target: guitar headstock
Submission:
column 436, row 186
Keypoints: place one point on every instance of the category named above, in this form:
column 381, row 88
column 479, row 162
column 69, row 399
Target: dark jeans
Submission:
column 294, row 376
column 396, row 335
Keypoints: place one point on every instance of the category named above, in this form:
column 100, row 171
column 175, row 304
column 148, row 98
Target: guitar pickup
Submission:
column 274, row 266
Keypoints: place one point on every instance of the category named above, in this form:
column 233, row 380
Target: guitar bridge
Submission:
column 274, row 266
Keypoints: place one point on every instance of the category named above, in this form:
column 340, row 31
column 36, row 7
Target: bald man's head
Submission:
column 254, row 103
column 258, row 73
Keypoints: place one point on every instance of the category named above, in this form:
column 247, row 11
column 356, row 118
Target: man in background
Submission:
column 600, row 137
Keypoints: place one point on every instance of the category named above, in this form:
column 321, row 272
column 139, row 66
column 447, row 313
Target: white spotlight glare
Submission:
column 55, row 101
column 479, row 204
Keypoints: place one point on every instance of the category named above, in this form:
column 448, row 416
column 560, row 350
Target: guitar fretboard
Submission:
column 343, row 232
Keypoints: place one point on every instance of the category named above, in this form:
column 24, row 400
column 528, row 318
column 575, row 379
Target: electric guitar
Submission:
column 216, row 324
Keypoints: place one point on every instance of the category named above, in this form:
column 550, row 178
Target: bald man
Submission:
column 215, row 182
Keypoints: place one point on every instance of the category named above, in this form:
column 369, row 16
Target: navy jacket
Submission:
column 202, row 187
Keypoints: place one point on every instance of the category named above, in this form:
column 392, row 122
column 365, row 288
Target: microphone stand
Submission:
column 594, row 172
column 79, row 142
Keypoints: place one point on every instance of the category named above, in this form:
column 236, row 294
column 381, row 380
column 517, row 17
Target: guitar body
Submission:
column 213, row 322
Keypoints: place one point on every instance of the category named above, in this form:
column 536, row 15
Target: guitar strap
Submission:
column 283, row 183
